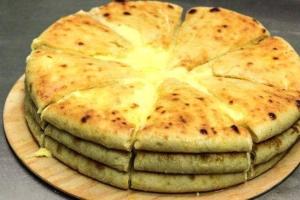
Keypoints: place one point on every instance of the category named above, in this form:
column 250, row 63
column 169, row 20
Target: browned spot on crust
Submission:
column 200, row 98
column 63, row 65
column 249, row 64
column 174, row 94
column 272, row 115
column 87, row 22
column 85, row 118
column 231, row 102
column 170, row 6
column 214, row 130
column 134, row 105
column 126, row 13
column 49, row 56
column 175, row 99
column 80, row 43
column 235, row 128
column 162, row 112
column 192, row 11
column 270, row 101
column 181, row 118
column 149, row 117
column 215, row 9
column 113, row 112
column 225, row 26
column 187, row 104
column 275, row 58
column 263, row 30
column 203, row 131
column 158, row 108
column 106, row 15
column 275, row 48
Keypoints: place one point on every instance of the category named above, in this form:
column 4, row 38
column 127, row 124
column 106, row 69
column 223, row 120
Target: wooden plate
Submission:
column 71, row 182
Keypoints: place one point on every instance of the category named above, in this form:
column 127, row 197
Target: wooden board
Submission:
column 71, row 182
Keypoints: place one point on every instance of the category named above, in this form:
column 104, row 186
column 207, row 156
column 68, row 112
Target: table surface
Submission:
column 21, row 21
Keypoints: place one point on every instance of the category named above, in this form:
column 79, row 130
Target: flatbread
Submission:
column 170, row 183
column 154, row 21
column 51, row 74
column 204, row 163
column 272, row 61
column 35, row 129
column 261, row 168
column 267, row 111
column 86, row 166
column 188, row 120
column 113, row 158
column 207, row 33
column 108, row 115
column 266, row 150
column 31, row 109
column 83, row 34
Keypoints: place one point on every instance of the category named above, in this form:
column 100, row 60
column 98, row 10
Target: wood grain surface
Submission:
column 71, row 182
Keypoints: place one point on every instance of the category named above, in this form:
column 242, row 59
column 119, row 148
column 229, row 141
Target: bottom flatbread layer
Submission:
column 116, row 159
column 205, row 163
column 86, row 166
column 261, row 168
column 266, row 150
column 171, row 183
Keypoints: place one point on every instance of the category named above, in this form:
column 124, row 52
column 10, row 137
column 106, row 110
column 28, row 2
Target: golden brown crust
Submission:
column 272, row 61
column 51, row 74
column 67, row 33
column 267, row 111
column 210, row 32
column 156, row 21
column 187, row 120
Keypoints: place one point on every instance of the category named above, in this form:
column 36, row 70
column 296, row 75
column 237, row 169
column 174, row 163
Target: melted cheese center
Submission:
column 142, row 56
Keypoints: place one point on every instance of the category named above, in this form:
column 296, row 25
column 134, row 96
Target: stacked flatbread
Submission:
column 130, row 95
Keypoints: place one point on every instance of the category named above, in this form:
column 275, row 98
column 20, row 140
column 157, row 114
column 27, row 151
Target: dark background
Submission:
column 23, row 20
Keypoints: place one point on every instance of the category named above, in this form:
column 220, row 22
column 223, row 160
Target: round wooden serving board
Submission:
column 71, row 182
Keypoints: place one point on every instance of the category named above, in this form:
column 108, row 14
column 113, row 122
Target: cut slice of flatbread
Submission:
column 86, row 166
column 266, row 150
column 267, row 111
column 31, row 109
column 204, row 163
column 51, row 74
column 147, row 22
column 108, row 115
column 261, row 168
column 208, row 33
column 188, row 120
column 113, row 158
column 81, row 33
column 35, row 129
column 171, row 183
column 272, row 61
